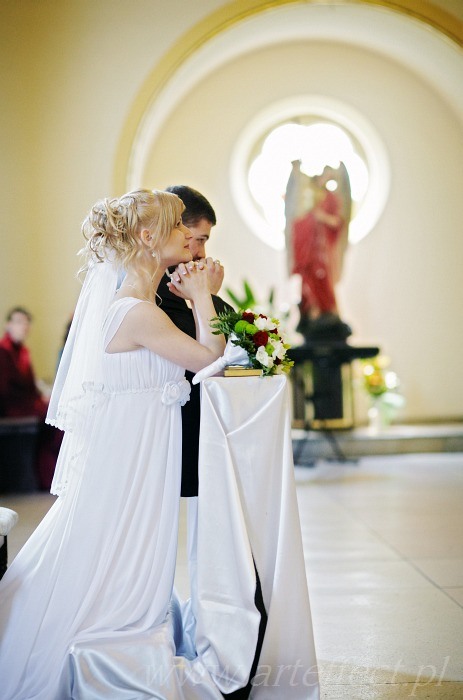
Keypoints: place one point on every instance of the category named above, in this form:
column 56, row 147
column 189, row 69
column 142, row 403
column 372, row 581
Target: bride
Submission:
column 84, row 607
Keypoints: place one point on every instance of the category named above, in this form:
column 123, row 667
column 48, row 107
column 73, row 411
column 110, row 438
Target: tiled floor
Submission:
column 383, row 542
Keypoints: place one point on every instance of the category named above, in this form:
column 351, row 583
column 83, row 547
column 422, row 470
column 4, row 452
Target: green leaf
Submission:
column 249, row 293
column 233, row 297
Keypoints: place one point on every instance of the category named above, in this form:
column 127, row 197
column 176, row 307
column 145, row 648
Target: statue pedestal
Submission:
column 322, row 378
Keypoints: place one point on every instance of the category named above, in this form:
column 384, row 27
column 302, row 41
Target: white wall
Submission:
column 70, row 73
column 17, row 138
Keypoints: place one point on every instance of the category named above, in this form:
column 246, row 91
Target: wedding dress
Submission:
column 85, row 607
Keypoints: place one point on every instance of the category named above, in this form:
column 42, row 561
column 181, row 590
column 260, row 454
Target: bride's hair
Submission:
column 113, row 225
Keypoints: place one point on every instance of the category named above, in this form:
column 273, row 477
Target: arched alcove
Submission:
column 319, row 107
column 414, row 34
column 405, row 84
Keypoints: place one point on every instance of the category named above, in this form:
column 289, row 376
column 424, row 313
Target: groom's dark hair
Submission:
column 197, row 207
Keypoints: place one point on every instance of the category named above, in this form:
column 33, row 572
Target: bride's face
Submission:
column 176, row 249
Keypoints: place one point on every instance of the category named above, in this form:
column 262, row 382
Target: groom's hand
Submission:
column 215, row 273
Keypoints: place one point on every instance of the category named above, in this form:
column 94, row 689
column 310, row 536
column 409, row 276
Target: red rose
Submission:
column 248, row 316
column 262, row 316
column 277, row 361
column 260, row 338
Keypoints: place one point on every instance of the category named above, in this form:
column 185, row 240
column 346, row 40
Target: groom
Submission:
column 199, row 217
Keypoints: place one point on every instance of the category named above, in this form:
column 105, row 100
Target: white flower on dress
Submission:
column 176, row 392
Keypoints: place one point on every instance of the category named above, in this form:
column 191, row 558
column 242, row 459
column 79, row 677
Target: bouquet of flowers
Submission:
column 377, row 379
column 259, row 336
column 382, row 386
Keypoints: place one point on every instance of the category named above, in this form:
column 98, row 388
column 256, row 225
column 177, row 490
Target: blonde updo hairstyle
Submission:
column 113, row 227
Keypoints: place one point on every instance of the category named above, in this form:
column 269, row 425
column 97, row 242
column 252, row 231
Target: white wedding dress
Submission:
column 85, row 607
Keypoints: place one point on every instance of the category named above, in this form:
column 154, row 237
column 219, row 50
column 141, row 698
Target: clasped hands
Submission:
column 195, row 275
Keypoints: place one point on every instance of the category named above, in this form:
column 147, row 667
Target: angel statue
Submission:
column 317, row 225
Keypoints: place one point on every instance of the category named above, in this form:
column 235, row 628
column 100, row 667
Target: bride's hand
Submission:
column 189, row 280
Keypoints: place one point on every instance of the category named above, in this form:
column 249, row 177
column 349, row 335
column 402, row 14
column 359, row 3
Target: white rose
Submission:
column 261, row 323
column 278, row 349
column 262, row 357
column 265, row 324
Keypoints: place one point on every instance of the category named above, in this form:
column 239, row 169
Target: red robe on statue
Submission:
column 314, row 256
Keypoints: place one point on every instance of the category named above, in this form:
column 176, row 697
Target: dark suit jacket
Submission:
column 182, row 316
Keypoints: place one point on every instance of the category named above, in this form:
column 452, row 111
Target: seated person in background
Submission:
column 19, row 395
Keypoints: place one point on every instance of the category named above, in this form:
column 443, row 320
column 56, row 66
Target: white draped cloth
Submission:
column 248, row 511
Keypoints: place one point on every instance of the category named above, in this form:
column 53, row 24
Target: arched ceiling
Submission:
column 398, row 36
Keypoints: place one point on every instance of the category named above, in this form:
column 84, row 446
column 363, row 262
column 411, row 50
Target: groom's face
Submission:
column 200, row 233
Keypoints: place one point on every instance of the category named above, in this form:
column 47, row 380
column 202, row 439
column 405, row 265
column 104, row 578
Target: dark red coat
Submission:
column 19, row 395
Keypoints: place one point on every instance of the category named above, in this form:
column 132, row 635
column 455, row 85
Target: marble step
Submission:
column 310, row 445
